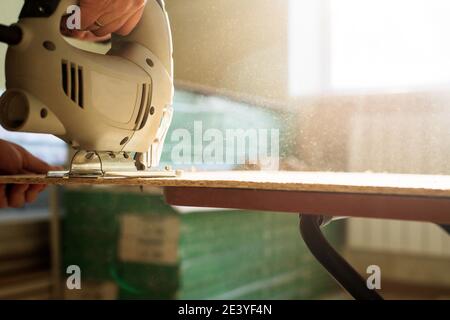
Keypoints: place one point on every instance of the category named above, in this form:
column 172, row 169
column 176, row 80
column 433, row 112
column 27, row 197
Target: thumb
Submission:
column 33, row 164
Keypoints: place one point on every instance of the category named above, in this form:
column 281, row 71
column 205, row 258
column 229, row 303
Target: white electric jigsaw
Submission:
column 114, row 109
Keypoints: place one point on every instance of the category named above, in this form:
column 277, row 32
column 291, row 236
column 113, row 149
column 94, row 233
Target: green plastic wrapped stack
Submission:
column 132, row 245
column 219, row 254
column 247, row 255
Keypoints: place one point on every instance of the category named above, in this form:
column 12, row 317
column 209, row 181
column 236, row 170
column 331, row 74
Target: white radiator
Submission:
column 402, row 142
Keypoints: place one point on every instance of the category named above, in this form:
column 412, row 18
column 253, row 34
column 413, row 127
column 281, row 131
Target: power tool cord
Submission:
column 332, row 261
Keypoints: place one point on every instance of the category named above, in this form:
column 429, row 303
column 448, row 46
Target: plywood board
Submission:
column 359, row 183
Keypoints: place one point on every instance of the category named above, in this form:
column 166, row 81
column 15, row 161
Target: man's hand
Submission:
column 16, row 160
column 100, row 18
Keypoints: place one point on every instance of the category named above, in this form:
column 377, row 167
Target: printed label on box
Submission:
column 149, row 238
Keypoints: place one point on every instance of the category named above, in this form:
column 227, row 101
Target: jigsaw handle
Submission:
column 153, row 31
column 116, row 102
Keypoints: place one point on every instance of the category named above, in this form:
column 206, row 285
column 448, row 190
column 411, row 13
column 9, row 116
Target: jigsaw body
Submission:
column 115, row 109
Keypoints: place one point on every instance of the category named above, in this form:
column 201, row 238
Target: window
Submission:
column 382, row 45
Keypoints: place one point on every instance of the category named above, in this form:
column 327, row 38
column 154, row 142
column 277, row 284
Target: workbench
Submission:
column 314, row 195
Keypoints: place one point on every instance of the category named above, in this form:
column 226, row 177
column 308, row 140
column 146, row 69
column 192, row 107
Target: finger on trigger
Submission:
column 89, row 14
column 111, row 27
column 131, row 23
